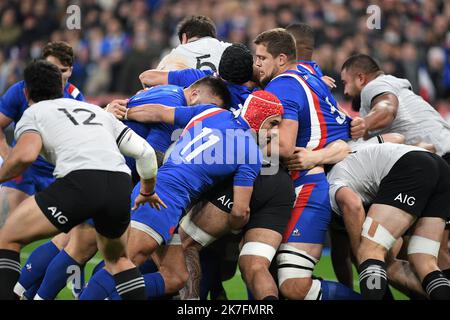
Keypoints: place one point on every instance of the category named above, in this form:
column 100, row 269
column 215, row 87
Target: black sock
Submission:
column 270, row 298
column 436, row 286
column 130, row 285
column 446, row 273
column 373, row 279
column 9, row 273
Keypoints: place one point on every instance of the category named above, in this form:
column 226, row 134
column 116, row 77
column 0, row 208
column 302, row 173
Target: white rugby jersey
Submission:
column 204, row 54
column 363, row 170
column 76, row 135
column 416, row 119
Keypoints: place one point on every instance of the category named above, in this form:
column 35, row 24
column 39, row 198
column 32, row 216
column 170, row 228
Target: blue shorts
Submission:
column 31, row 181
column 311, row 214
column 164, row 221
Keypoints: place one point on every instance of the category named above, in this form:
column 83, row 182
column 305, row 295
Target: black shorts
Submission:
column 418, row 183
column 446, row 157
column 103, row 196
column 271, row 204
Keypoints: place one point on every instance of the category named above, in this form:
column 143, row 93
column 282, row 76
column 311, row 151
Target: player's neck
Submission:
column 192, row 39
column 288, row 66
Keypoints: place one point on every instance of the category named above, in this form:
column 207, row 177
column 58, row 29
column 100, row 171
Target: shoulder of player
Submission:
column 72, row 90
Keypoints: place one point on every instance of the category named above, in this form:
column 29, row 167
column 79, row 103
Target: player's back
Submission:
column 306, row 99
column 214, row 145
column 204, row 53
column 76, row 135
column 364, row 169
column 169, row 95
column 416, row 119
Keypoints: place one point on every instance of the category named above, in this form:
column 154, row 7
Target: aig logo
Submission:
column 410, row 201
column 58, row 215
column 226, row 202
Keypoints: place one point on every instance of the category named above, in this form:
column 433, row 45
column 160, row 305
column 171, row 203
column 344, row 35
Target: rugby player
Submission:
column 235, row 67
column 403, row 185
column 185, row 176
column 199, row 47
column 311, row 121
column 93, row 170
column 388, row 104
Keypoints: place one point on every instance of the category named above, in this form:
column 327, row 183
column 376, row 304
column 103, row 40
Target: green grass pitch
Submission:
column 234, row 287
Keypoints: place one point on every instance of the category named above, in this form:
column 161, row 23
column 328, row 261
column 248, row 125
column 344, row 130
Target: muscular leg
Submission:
column 423, row 252
column 26, row 224
column 129, row 282
column 444, row 255
column 82, row 246
column 10, row 198
column 260, row 246
column 384, row 224
column 206, row 223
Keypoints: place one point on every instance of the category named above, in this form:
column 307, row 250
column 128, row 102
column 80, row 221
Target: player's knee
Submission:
column 296, row 289
column 174, row 280
column 295, row 268
column 61, row 240
column 423, row 253
column 82, row 251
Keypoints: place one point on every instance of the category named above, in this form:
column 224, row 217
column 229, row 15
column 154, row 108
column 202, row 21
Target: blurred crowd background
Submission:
column 119, row 39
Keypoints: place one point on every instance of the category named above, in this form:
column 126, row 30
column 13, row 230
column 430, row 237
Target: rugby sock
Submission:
column 58, row 271
column 9, row 273
column 130, row 284
column 373, row 279
column 30, row 293
column 436, row 286
column 100, row 286
column 332, row 290
column 34, row 269
column 446, row 273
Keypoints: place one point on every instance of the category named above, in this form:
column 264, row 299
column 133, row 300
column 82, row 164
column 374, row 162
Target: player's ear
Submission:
column 282, row 59
column 184, row 38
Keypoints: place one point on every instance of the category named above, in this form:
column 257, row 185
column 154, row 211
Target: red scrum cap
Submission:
column 259, row 106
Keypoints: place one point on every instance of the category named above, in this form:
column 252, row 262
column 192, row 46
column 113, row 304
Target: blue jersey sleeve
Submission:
column 184, row 114
column 186, row 77
column 246, row 174
column 12, row 100
column 291, row 95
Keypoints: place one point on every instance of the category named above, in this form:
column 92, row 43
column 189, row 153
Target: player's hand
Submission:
column 358, row 128
column 301, row 159
column 118, row 108
column 329, row 81
column 154, row 201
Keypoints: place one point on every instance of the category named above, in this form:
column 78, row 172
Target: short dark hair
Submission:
column 304, row 39
column 362, row 63
column 236, row 64
column 43, row 81
column 61, row 50
column 217, row 86
column 278, row 41
column 197, row 26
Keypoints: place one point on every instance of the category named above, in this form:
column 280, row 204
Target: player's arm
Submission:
column 288, row 134
column 154, row 77
column 383, row 112
column 240, row 212
column 4, row 147
column 24, row 153
column 151, row 113
column 353, row 213
column 303, row 159
column 132, row 145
